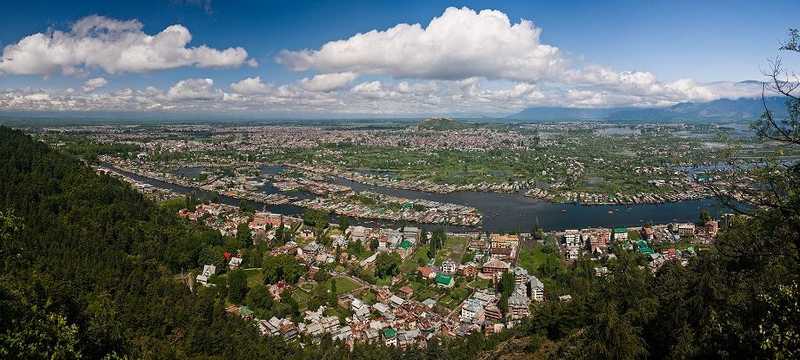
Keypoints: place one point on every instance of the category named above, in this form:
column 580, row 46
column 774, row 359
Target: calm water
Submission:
column 515, row 212
column 504, row 212
column 190, row 172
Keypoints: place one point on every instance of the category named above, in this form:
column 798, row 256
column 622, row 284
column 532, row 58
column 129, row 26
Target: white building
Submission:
column 208, row 271
column 449, row 267
column 537, row 288
column 472, row 311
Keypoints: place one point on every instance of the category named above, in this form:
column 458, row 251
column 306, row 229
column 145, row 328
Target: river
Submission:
column 518, row 213
column 502, row 212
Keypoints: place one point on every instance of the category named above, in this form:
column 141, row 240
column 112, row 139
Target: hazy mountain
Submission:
column 742, row 109
column 554, row 113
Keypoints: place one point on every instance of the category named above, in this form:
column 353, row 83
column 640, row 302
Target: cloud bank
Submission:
column 463, row 61
column 114, row 46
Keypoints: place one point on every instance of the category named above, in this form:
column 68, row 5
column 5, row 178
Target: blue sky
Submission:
column 705, row 41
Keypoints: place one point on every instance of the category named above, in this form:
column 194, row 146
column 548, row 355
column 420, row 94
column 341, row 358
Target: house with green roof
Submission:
column 644, row 248
column 390, row 336
column 245, row 312
column 443, row 280
column 404, row 248
column 620, row 234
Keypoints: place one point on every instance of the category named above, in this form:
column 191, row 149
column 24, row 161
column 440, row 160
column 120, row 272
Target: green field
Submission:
column 411, row 263
column 480, row 284
column 454, row 248
column 532, row 258
column 301, row 297
column 344, row 285
column 254, row 277
column 454, row 296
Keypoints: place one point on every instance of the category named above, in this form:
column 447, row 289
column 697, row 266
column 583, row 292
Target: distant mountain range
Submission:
column 742, row 109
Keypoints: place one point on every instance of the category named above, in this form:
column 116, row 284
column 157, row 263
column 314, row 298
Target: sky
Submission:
column 383, row 58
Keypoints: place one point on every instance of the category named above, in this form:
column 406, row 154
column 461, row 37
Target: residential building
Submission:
column 572, row 238
column 647, row 233
column 521, row 276
column 472, row 311
column 443, row 280
column 411, row 234
column 686, row 230
column 406, row 292
column 396, row 301
column 620, row 234
column 518, row 305
column 429, row 303
column 426, row 272
column 495, row 266
column 468, row 270
column 208, row 271
column 536, row 288
column 234, row 263
column 449, row 267
column 360, row 309
column 390, row 336
column 711, row 227
column 492, row 312
column 358, row 233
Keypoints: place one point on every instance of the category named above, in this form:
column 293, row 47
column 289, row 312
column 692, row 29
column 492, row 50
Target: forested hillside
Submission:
column 90, row 269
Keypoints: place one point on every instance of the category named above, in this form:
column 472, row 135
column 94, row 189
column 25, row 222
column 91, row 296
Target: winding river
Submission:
column 503, row 212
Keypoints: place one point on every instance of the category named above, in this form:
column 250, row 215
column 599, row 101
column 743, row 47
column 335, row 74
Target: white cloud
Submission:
column 251, row 86
column 327, row 82
column 373, row 90
column 470, row 46
column 115, row 46
column 194, row 89
column 94, row 84
column 461, row 43
column 407, row 97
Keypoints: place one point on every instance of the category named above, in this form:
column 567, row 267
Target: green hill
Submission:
column 440, row 124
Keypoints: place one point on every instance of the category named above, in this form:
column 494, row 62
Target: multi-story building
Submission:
column 518, row 305
column 494, row 266
column 449, row 267
column 536, row 288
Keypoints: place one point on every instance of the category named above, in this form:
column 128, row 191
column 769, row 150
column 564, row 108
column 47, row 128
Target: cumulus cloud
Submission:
column 372, row 90
column 94, row 84
column 251, row 86
column 458, row 44
column 466, row 46
column 115, row 46
column 327, row 82
column 194, row 89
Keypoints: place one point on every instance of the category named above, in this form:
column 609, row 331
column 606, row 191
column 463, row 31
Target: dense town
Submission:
column 405, row 286
column 586, row 163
